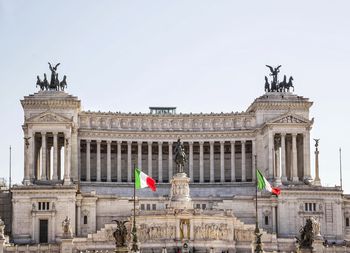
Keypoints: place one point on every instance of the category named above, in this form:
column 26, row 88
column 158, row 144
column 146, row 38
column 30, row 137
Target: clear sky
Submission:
column 201, row 56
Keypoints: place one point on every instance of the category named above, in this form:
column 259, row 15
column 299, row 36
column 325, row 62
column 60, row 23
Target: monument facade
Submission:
column 79, row 164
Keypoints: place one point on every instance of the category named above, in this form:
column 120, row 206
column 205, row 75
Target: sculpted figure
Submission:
column 274, row 74
column 53, row 73
column 45, row 82
column 307, row 235
column 120, row 233
column 66, row 227
column 180, row 156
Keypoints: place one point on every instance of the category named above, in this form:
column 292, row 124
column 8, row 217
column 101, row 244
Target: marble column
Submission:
column 88, row 160
column 139, row 154
column 55, row 150
column 119, row 161
column 170, row 160
column 270, row 154
column 160, row 162
column 283, row 157
column 233, row 162
column 78, row 216
column 244, row 177
column 294, row 158
column 109, row 172
column 98, row 160
column 149, row 158
column 211, row 144
column 201, row 164
column 277, row 161
column 306, row 145
column 222, row 161
column 254, row 160
column 26, row 179
column 274, row 223
column 129, row 169
column 317, row 181
column 67, row 160
column 43, row 156
column 190, row 164
column 32, row 157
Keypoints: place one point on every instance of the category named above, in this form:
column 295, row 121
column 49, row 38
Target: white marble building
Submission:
column 80, row 164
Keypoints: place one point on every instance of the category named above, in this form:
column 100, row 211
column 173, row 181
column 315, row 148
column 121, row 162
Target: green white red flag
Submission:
column 263, row 184
column 142, row 180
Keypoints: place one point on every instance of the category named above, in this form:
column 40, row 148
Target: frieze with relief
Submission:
column 142, row 122
column 213, row 232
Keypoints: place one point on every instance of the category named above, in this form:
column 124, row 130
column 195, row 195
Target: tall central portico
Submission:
column 79, row 164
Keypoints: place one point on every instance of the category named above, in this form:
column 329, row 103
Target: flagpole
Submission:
column 258, row 243
column 134, row 247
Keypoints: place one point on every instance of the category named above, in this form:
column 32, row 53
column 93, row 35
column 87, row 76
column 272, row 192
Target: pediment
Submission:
column 48, row 117
column 290, row 119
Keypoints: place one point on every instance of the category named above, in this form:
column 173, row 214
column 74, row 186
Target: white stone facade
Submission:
column 80, row 164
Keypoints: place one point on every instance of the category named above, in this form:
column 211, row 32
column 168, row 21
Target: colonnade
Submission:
column 208, row 161
column 290, row 156
column 47, row 156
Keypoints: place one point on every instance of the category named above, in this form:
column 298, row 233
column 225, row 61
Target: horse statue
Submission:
column 282, row 85
column 289, row 84
column 180, row 156
column 267, row 84
column 120, row 234
column 42, row 84
column 63, row 83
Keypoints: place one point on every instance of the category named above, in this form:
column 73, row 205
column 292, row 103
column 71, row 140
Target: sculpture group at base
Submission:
column 275, row 85
column 54, row 84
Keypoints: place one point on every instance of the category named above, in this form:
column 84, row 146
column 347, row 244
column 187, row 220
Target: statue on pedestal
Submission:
column 55, row 83
column 120, row 234
column 66, row 227
column 307, row 235
column 180, row 156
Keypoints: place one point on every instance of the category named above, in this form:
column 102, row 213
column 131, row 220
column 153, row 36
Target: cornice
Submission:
column 91, row 134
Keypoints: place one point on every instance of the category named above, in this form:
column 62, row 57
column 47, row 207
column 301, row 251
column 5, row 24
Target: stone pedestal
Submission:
column 180, row 192
column 2, row 245
column 121, row 250
column 67, row 245
column 318, row 246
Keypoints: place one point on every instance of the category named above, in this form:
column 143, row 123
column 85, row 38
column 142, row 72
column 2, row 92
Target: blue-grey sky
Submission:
column 201, row 56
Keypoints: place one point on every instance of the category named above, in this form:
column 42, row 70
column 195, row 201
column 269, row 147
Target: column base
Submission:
column 284, row 179
column 27, row 182
column 317, row 182
column 278, row 181
column 295, row 179
column 67, row 181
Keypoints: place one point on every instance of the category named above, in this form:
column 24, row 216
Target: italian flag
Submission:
column 142, row 180
column 263, row 184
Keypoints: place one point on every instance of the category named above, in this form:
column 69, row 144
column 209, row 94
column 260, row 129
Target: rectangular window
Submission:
column 85, row 219
column 153, row 206
column 314, row 207
column 306, row 207
column 142, row 206
column 310, row 207
column 39, row 206
column 204, row 206
column 266, row 220
column 347, row 222
column 148, row 206
column 198, row 206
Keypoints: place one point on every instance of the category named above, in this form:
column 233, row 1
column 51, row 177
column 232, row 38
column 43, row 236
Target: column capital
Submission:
column 119, row 142
column 98, row 141
column 243, row 141
column 160, row 143
column 149, row 142
column 129, row 142
column 283, row 135
column 294, row 134
column 170, row 143
column 43, row 133
column 201, row 143
column 108, row 141
column 222, row 142
column 211, row 143
column 190, row 143
column 88, row 141
column 55, row 133
column 139, row 142
column 233, row 142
